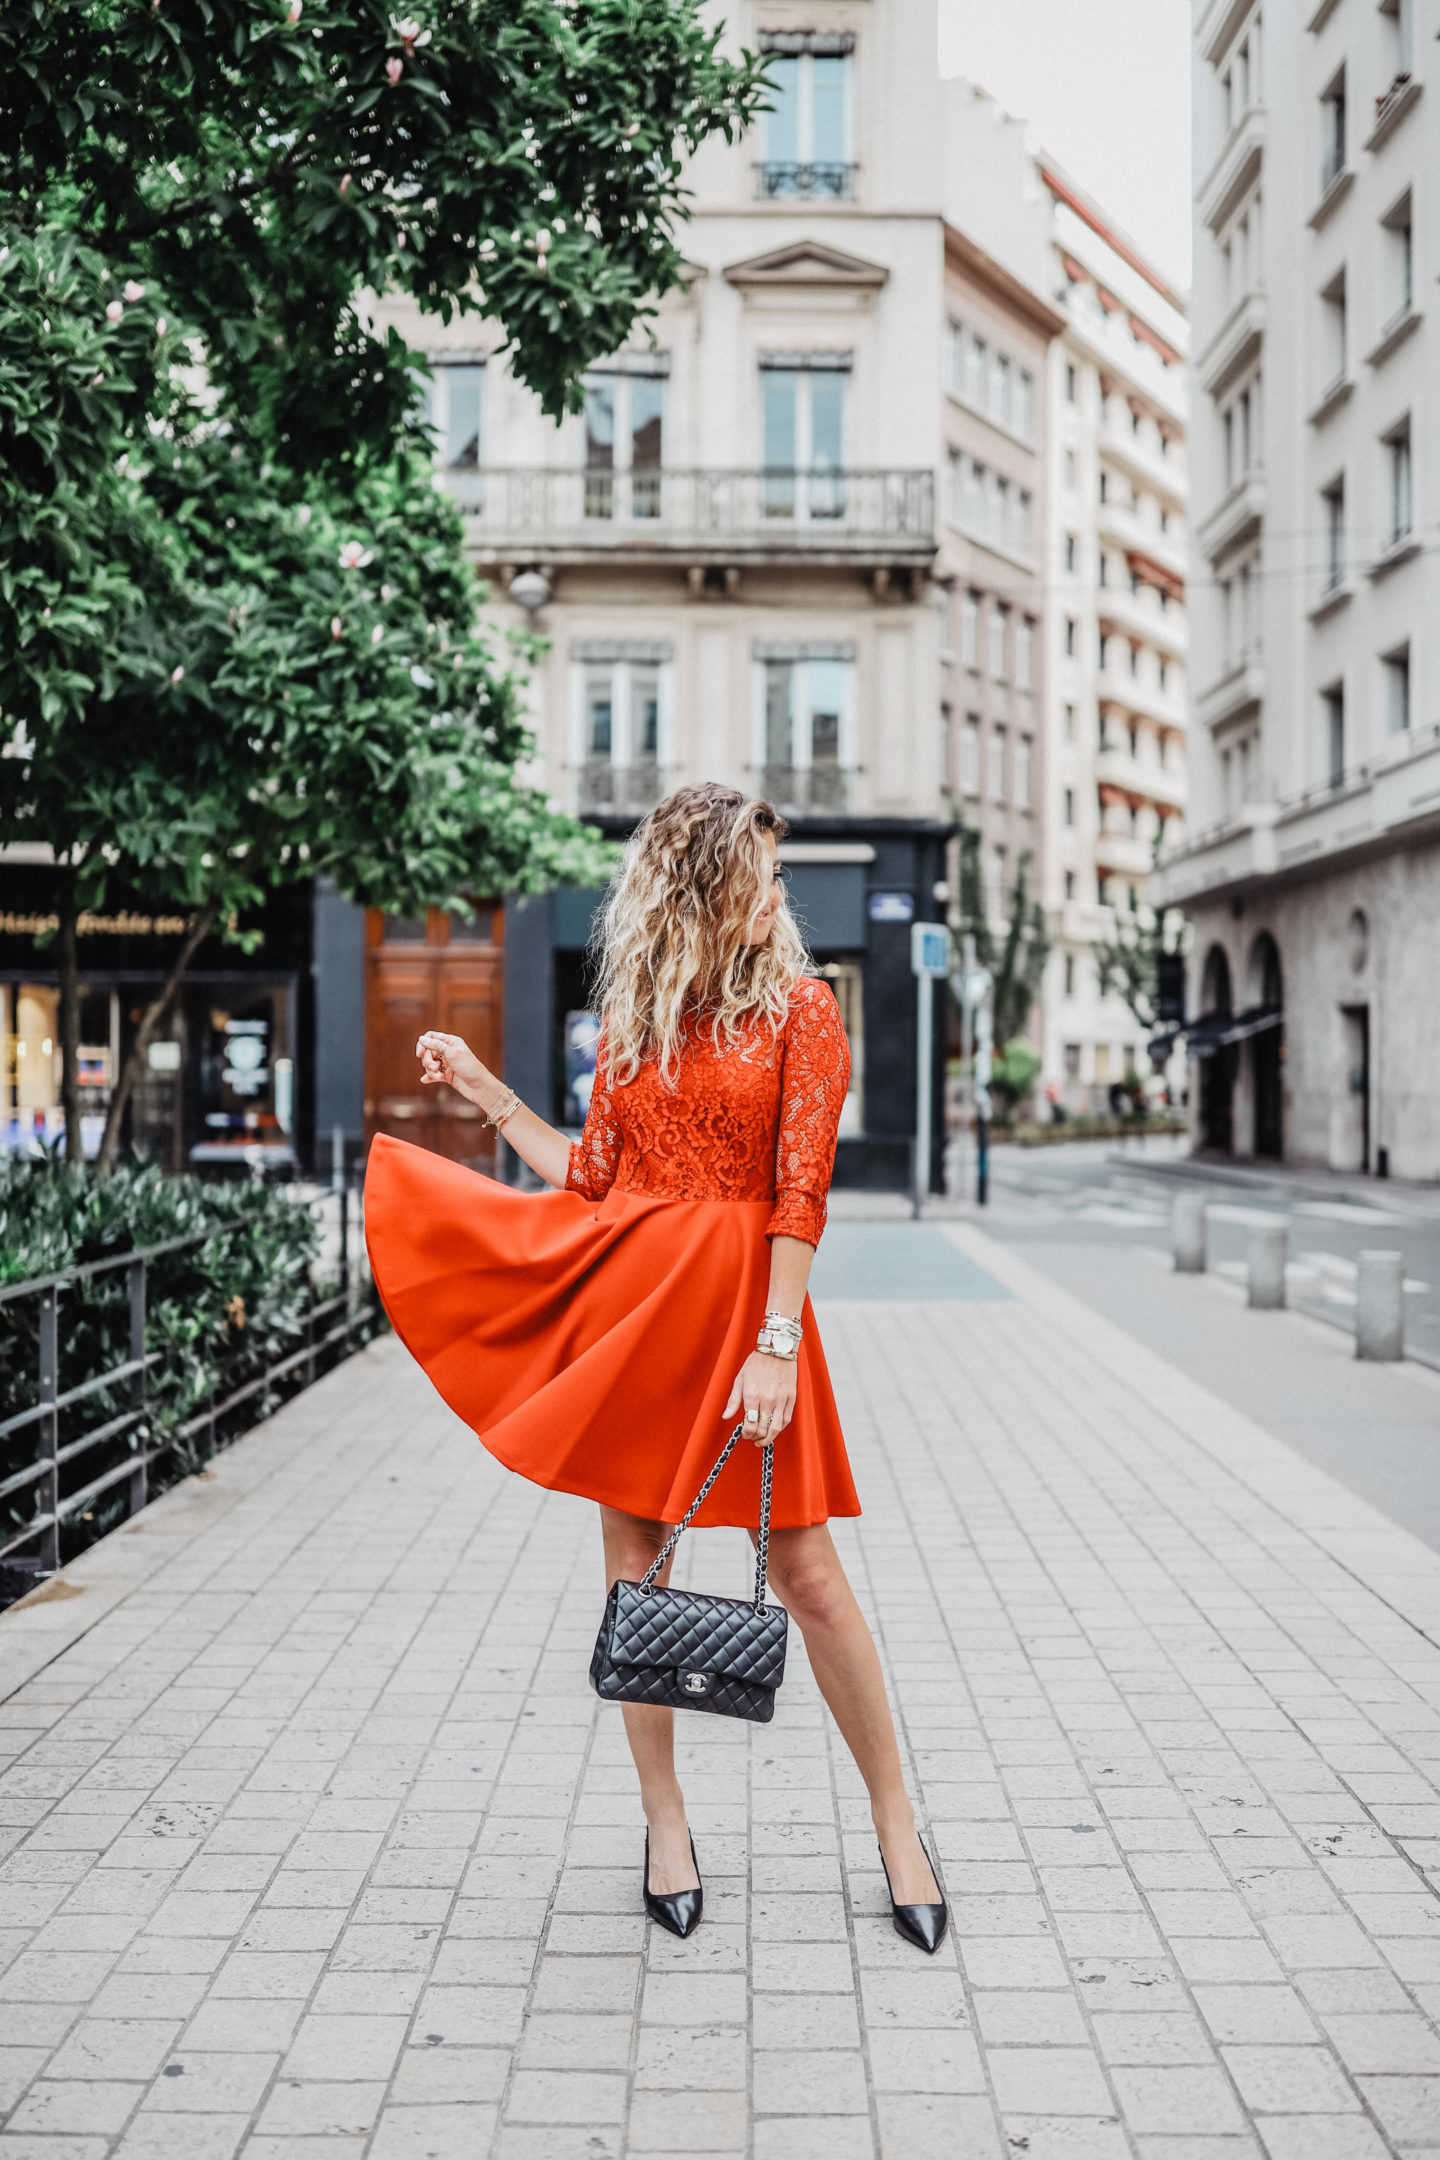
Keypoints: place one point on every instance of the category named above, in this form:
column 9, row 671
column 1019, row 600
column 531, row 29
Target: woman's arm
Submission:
column 449, row 1060
column 765, row 1384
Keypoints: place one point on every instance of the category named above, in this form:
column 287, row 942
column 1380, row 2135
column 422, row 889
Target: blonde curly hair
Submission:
column 673, row 943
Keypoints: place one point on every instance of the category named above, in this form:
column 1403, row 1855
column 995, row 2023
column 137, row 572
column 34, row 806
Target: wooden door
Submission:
column 446, row 973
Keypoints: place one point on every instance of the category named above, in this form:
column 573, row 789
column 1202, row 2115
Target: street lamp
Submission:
column 530, row 589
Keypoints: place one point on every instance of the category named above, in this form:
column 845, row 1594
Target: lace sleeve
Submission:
column 595, row 1156
column 816, row 1075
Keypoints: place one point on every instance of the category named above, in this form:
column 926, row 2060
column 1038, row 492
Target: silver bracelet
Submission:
column 507, row 1110
column 780, row 1337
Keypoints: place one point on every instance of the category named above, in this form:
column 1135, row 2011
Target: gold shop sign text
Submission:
column 125, row 924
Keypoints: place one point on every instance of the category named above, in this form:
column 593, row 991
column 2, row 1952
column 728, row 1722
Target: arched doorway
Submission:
column 1267, row 1048
column 1217, row 1068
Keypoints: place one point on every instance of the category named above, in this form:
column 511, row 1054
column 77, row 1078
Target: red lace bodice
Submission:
column 754, row 1122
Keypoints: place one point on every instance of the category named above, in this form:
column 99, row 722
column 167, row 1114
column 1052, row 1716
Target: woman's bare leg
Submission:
column 807, row 1577
column 630, row 1546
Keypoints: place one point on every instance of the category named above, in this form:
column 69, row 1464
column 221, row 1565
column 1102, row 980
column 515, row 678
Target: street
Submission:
column 318, row 1845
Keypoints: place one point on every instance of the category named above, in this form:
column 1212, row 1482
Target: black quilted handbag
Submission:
column 683, row 1650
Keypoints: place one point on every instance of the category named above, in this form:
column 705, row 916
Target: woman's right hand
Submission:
column 449, row 1060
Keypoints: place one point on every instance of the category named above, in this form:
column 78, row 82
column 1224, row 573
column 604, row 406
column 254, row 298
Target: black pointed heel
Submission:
column 679, row 1911
column 923, row 1925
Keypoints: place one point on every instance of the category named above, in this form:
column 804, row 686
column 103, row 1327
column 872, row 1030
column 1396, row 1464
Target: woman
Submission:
column 598, row 1342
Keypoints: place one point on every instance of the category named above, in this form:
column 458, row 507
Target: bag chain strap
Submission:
column 762, row 1542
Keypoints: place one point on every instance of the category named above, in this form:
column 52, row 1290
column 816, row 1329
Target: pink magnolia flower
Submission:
column 387, row 592
column 394, row 67
column 160, row 326
column 335, row 626
column 377, row 633
column 409, row 33
column 132, row 291
column 115, row 312
column 344, row 183
column 355, row 557
column 295, row 8
column 177, row 675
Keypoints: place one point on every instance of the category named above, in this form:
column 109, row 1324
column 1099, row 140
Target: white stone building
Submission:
column 1113, row 555
column 1311, row 870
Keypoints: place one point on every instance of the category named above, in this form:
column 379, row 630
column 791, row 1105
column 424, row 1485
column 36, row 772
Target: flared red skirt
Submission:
column 592, row 1346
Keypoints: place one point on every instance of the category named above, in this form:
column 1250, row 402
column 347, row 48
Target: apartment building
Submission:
column 1111, row 563
column 1311, row 871
column 989, row 567
column 731, row 550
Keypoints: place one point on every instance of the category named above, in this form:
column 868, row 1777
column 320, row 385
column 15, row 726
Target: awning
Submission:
column 1216, row 1031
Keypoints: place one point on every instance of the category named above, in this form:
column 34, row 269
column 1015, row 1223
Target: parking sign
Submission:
column 929, row 948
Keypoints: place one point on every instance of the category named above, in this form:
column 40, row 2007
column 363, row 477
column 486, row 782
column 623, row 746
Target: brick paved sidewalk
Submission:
column 317, row 1845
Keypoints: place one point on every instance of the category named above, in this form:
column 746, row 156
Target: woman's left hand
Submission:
column 766, row 1387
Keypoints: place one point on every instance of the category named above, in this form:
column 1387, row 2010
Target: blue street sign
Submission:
column 929, row 948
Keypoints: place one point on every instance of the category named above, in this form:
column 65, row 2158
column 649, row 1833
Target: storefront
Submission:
column 228, row 1079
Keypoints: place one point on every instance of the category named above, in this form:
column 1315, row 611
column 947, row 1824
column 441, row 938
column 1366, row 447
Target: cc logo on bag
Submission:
column 695, row 1683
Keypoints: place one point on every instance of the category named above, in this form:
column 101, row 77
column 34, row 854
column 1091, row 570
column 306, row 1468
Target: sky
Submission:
column 1105, row 86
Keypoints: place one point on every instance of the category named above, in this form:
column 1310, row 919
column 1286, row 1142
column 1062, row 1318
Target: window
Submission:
column 1069, row 806
column 1228, row 430
column 1069, row 974
column 1072, row 384
column 620, row 703
column 624, row 442
column 996, row 773
column 456, row 399
column 1104, row 486
column 1401, row 489
column 1104, row 651
column 1004, row 533
column 1069, row 884
column 1069, row 723
column 1134, row 739
column 1070, row 629
column 1134, row 659
column 999, row 625
column 970, row 755
column 1163, row 678
column 807, row 694
column 976, row 501
column 807, row 130
column 999, row 864
column 1398, row 226
column 1104, row 567
column 1072, row 1061
column 954, row 352
column 1024, row 653
column 1400, row 13
column 1000, row 390
column 1332, row 132
column 1025, row 522
column 1024, row 759
column 970, row 629
column 977, row 354
column 1069, row 468
column 1333, row 701
column 803, row 430
column 1334, row 339
column 1102, row 1050
column 1164, row 514
column 1070, row 553
column 1025, row 404
column 954, row 468
column 1397, row 690
column 1333, row 502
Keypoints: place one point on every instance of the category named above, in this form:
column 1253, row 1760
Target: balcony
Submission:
column 1140, row 617
column 821, row 789
column 1140, row 780
column 1123, row 854
column 1234, row 171
column 1234, row 344
column 1125, row 696
column 1238, row 514
column 555, row 514
column 780, row 182
column 1222, row 859
column 1165, row 476
column 1239, row 690
column 623, row 790
column 1126, row 530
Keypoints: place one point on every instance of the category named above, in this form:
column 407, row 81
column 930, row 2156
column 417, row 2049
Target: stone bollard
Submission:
column 1188, row 1229
column 1380, row 1306
column 1267, row 1266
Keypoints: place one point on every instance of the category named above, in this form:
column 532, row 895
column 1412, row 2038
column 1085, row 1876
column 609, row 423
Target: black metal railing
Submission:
column 778, row 180
column 792, row 509
column 333, row 1313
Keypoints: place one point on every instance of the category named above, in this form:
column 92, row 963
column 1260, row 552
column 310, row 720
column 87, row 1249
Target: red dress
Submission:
column 591, row 1337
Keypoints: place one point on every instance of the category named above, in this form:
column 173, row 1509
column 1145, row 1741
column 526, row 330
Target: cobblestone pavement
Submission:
column 318, row 1846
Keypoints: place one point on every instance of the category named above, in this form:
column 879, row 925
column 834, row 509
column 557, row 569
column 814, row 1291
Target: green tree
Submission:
column 1127, row 961
column 198, row 199
column 1017, row 961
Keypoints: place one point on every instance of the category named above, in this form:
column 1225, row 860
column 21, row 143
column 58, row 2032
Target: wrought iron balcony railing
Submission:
column 541, row 510
column 620, row 788
column 780, row 182
column 811, row 787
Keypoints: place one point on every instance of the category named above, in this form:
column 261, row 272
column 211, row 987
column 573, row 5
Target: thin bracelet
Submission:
column 506, row 1110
